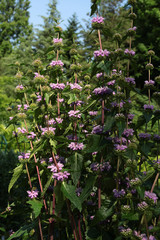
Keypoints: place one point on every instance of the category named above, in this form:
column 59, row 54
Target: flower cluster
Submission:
column 60, row 86
column 24, row 156
column 57, row 40
column 98, row 20
column 32, row 194
column 93, row 113
column 48, row 131
column 118, row 193
column 75, row 114
column 128, row 132
column 101, row 53
column 75, row 86
column 129, row 52
column 102, row 91
column 144, row 136
column 57, row 63
column 76, row 146
column 130, row 80
column 102, row 166
column 148, row 107
column 19, row 87
column 150, row 197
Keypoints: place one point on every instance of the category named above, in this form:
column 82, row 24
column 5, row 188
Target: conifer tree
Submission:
column 14, row 23
column 45, row 35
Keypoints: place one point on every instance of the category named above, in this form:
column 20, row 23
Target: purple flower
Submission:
column 150, row 82
column 76, row 146
column 156, row 137
column 59, row 120
column 32, row 135
column 75, row 114
column 24, row 156
column 128, row 132
column 57, row 63
column 111, row 83
column 97, row 129
column 19, row 106
column 101, row 53
column 152, row 196
column 93, row 113
column 130, row 116
column 148, row 107
column 60, row 86
column 26, row 106
column 22, row 130
column 119, row 147
column 130, row 80
column 39, row 76
column 78, row 191
column 57, row 40
column 75, row 86
column 32, row 194
column 60, row 176
column 98, row 75
column 118, row 194
column 94, row 167
column 129, row 52
column 144, row 136
column 54, row 168
column 51, row 122
column 10, row 118
column 102, row 91
column 19, row 87
column 98, row 20
column 61, row 100
column 47, row 130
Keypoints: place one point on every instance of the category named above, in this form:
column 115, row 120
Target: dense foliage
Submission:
column 87, row 137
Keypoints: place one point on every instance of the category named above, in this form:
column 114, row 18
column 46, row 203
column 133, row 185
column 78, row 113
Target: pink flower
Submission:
column 32, row 194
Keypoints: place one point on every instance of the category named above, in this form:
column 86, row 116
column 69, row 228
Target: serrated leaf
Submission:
column 17, row 173
column 69, row 192
column 88, row 188
column 103, row 213
column 76, row 167
column 36, row 206
column 109, row 122
column 131, row 216
column 23, row 230
column 89, row 105
column 121, row 126
column 47, row 184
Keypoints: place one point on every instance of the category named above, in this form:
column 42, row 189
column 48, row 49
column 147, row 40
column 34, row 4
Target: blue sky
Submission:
column 65, row 7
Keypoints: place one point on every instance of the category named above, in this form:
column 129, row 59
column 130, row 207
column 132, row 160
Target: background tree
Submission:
column 44, row 36
column 14, row 23
column 147, row 37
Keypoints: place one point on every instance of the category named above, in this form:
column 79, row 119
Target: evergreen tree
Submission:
column 14, row 23
column 71, row 35
column 147, row 37
column 45, row 35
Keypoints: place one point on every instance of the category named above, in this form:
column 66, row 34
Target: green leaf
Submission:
column 109, row 122
column 17, row 173
column 88, row 188
column 131, row 216
column 94, row 8
column 72, row 98
column 59, row 198
column 53, row 143
column 147, row 116
column 76, row 167
column 36, row 206
column 146, row 147
column 69, row 192
column 47, row 184
column 68, row 129
column 89, row 105
column 148, row 175
column 121, row 126
column 2, row 229
column 23, row 230
column 103, row 213
column 46, row 98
